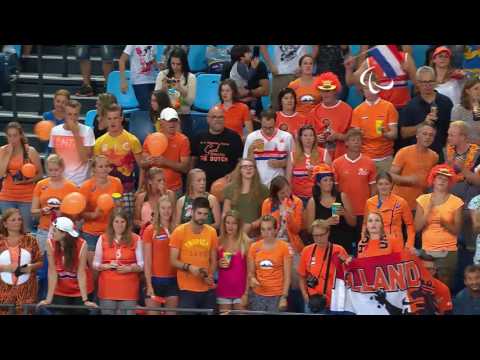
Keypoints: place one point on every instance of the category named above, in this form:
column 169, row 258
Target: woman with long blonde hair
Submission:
column 246, row 194
column 232, row 291
column 197, row 187
column 160, row 275
column 153, row 189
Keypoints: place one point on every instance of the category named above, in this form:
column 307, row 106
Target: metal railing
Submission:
column 65, row 60
column 11, row 308
column 40, row 79
column 27, row 309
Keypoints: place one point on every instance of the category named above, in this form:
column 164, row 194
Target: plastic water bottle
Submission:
column 476, row 258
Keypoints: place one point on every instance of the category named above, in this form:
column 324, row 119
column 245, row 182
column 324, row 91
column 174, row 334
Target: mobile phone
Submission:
column 256, row 51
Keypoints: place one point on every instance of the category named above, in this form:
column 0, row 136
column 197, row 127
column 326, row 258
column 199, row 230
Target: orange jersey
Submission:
column 302, row 182
column 434, row 236
column 269, row 267
column 307, row 96
column 372, row 248
column 91, row 192
column 178, row 147
column 294, row 220
column 399, row 95
column 354, row 178
column 67, row 280
column 338, row 117
column 195, row 249
column 15, row 192
column 236, row 116
column 317, row 266
column 412, row 162
column 113, row 285
column 373, row 120
column 394, row 211
column 290, row 123
column 44, row 192
column 443, row 298
column 161, row 266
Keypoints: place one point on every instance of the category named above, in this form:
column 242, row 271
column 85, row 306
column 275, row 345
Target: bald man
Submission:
column 217, row 150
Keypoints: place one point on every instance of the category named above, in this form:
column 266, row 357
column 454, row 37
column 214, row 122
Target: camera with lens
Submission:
column 203, row 272
column 18, row 272
column 312, row 281
column 317, row 303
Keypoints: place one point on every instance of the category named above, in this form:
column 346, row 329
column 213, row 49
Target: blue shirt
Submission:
column 465, row 304
column 49, row 116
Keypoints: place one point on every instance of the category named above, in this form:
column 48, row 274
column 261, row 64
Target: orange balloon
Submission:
column 217, row 188
column 157, row 143
column 73, row 204
column 29, row 170
column 43, row 129
column 105, row 202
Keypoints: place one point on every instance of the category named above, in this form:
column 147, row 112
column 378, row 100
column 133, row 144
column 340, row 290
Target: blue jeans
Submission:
column 24, row 208
column 91, row 240
column 143, row 92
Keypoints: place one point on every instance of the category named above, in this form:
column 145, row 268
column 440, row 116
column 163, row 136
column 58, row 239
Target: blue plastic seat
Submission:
column 355, row 98
column 207, row 91
column 266, row 100
column 419, row 52
column 90, row 117
column 196, row 58
column 159, row 52
column 140, row 125
column 125, row 100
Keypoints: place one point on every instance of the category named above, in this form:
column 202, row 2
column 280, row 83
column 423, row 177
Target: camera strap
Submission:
column 326, row 256
column 329, row 261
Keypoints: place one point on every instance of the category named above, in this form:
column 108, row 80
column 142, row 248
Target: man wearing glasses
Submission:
column 429, row 106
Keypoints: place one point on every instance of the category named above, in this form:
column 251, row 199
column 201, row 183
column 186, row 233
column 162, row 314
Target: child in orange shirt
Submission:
column 119, row 259
column 96, row 220
column 269, row 269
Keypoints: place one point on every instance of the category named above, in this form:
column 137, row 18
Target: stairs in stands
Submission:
column 28, row 99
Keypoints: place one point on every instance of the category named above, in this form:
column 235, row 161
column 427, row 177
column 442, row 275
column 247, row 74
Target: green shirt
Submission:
column 250, row 208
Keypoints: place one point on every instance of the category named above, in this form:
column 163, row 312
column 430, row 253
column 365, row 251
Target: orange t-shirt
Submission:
column 178, row 147
column 16, row 192
column 113, row 285
column 371, row 118
column 395, row 211
column 45, row 192
column 236, row 116
column 372, row 248
column 307, row 96
column 317, row 266
column 269, row 267
column 194, row 249
column 290, row 123
column 443, row 297
column 91, row 193
column 302, row 182
column 411, row 162
column 434, row 236
column 161, row 266
column 338, row 116
column 354, row 178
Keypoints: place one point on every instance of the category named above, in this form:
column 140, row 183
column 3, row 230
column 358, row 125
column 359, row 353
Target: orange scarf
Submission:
column 469, row 158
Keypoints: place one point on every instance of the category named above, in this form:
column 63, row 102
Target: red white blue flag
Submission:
column 389, row 58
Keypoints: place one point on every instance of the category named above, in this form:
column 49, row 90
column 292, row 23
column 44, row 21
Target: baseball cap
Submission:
column 168, row 114
column 441, row 49
column 65, row 224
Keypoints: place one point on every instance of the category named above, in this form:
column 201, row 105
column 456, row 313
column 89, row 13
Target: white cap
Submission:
column 168, row 114
column 66, row 225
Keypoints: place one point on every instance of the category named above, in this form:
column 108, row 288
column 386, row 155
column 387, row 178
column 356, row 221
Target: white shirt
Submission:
column 64, row 144
column 452, row 89
column 142, row 70
column 277, row 147
column 286, row 57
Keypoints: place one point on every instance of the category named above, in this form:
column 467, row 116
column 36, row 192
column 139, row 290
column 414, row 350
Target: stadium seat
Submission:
column 207, row 92
column 355, row 98
column 419, row 52
column 159, row 52
column 266, row 100
column 196, row 58
column 90, row 117
column 140, row 125
column 125, row 100
column 199, row 122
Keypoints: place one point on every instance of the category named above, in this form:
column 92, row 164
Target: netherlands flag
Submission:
column 389, row 59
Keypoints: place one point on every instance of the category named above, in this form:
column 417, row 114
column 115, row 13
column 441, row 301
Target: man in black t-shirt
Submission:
column 217, row 150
